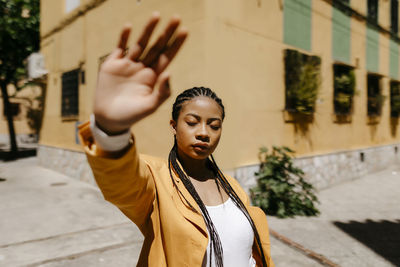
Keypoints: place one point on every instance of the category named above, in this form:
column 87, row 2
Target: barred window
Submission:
column 373, row 11
column 394, row 17
column 70, row 93
column 375, row 97
column 395, row 99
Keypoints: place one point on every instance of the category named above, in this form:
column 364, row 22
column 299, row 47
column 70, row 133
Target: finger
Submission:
column 168, row 55
column 144, row 38
column 114, row 54
column 161, row 42
column 123, row 40
column 164, row 90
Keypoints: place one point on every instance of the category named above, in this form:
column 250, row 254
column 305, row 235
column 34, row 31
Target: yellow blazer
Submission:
column 141, row 187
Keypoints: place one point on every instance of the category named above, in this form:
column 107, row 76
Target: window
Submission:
column 375, row 98
column 302, row 80
column 344, row 89
column 394, row 17
column 394, row 98
column 71, row 5
column 346, row 2
column 70, row 93
column 372, row 11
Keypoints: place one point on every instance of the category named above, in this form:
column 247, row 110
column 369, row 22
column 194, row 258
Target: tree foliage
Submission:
column 19, row 36
column 281, row 189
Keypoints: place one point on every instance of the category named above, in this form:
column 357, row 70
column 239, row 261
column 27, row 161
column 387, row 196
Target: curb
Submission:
column 309, row 253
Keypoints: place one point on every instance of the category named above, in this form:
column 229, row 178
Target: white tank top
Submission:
column 235, row 233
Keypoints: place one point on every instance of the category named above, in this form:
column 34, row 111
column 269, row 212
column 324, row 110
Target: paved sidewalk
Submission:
column 48, row 219
column 359, row 223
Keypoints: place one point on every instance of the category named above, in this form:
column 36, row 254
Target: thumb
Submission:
column 164, row 90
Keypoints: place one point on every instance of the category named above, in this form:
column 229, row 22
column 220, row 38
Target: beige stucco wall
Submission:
column 26, row 98
column 235, row 47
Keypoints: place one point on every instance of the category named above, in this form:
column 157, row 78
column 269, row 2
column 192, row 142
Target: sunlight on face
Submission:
column 198, row 128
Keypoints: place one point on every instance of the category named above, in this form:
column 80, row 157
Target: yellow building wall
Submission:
column 25, row 98
column 236, row 48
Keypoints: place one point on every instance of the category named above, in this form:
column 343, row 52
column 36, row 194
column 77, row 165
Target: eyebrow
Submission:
column 198, row 117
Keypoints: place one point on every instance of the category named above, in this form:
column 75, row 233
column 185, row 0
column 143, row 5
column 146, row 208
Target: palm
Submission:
column 125, row 91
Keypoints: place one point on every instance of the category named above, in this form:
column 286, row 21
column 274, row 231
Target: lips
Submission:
column 201, row 146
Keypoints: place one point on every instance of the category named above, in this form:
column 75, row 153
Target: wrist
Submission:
column 109, row 128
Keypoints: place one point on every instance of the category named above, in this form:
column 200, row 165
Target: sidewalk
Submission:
column 359, row 223
column 48, row 219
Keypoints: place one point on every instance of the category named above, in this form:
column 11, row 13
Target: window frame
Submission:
column 373, row 11
column 394, row 16
column 373, row 95
column 70, row 82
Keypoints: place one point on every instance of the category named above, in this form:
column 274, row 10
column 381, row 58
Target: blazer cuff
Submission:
column 106, row 142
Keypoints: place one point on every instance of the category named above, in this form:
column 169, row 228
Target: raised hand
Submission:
column 125, row 91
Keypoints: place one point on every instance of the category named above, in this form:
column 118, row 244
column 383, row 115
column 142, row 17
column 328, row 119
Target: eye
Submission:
column 191, row 123
column 215, row 127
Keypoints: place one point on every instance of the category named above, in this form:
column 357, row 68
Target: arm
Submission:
column 125, row 94
column 123, row 178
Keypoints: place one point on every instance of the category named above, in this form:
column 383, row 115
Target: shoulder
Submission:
column 154, row 162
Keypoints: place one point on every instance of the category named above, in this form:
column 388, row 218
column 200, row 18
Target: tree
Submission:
column 19, row 37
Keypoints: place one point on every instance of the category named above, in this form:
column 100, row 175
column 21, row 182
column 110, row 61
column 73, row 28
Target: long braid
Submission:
column 232, row 194
column 215, row 244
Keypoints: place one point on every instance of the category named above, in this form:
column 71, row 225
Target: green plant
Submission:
column 375, row 104
column 375, row 97
column 395, row 99
column 19, row 37
column 344, row 89
column 281, row 189
column 302, row 80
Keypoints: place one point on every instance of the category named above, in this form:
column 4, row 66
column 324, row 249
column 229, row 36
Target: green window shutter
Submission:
column 394, row 60
column 341, row 36
column 372, row 49
column 297, row 23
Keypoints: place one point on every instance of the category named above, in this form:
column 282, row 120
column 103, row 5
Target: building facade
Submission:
column 258, row 56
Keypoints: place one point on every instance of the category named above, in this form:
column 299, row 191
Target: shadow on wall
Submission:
column 383, row 237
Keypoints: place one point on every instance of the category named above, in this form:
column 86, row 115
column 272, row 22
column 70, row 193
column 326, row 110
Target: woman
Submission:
column 189, row 212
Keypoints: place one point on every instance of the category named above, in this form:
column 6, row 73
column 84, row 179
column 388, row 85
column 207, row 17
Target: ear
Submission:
column 172, row 123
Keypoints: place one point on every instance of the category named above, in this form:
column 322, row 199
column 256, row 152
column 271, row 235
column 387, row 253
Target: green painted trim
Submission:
column 394, row 60
column 297, row 23
column 341, row 36
column 372, row 50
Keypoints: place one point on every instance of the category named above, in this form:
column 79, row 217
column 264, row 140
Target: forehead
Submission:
column 202, row 106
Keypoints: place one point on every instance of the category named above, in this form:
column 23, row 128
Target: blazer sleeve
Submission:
column 260, row 220
column 124, row 179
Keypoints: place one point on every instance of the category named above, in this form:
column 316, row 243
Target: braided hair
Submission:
column 221, row 181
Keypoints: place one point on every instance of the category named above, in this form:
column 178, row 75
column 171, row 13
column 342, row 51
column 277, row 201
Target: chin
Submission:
column 199, row 156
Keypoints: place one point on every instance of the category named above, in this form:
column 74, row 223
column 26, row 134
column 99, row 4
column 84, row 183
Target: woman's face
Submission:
column 198, row 128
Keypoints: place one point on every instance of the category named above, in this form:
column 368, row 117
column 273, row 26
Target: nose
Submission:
column 202, row 133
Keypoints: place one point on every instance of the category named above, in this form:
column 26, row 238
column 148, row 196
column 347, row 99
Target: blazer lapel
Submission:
column 187, row 206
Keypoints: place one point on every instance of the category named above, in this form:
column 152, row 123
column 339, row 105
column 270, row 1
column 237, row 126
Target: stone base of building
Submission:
column 333, row 168
column 69, row 162
column 321, row 170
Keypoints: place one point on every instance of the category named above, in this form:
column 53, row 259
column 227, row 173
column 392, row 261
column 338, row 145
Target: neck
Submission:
column 195, row 168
